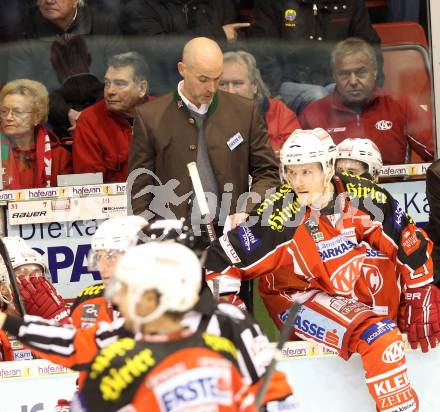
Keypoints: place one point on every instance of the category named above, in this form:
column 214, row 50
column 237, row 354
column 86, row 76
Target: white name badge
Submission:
column 235, row 141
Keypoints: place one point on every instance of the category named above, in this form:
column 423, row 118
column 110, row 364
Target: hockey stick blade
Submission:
column 284, row 335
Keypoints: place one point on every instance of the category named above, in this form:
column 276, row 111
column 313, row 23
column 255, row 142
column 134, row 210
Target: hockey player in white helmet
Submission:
column 376, row 287
column 360, row 157
column 40, row 298
column 307, row 164
column 112, row 239
column 38, row 295
column 157, row 287
column 309, row 240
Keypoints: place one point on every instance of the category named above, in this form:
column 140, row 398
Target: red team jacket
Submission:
column 325, row 252
column 77, row 348
column 193, row 373
column 161, row 371
column 392, row 123
column 377, row 287
column 280, row 121
column 101, row 143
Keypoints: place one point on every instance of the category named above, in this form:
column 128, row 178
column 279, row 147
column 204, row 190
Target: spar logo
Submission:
column 384, row 125
column 394, row 352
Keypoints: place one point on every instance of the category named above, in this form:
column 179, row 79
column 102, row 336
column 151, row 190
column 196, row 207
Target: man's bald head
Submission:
column 202, row 50
column 201, row 68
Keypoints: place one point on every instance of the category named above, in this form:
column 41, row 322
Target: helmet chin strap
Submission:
column 327, row 193
column 139, row 321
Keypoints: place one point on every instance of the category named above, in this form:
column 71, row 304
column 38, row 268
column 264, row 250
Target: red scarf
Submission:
column 43, row 159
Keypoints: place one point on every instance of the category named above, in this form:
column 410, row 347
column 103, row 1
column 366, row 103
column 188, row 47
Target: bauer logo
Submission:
column 195, row 389
column 249, row 242
column 378, row 329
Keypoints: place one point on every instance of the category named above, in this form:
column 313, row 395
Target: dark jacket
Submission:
column 165, row 141
column 309, row 30
column 159, row 30
column 177, row 17
column 76, row 92
column 30, row 57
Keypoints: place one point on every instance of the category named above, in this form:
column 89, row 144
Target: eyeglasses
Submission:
column 17, row 113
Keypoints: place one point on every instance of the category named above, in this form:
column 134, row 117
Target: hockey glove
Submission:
column 422, row 316
column 42, row 299
column 234, row 300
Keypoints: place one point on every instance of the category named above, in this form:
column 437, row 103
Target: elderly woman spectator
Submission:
column 241, row 76
column 31, row 155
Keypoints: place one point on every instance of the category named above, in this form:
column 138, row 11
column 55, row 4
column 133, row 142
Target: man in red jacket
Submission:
column 103, row 131
column 357, row 108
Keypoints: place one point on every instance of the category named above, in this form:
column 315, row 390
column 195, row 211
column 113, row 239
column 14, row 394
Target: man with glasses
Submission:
column 103, row 131
column 110, row 242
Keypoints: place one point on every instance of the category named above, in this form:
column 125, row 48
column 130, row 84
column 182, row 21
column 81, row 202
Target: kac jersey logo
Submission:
column 344, row 278
column 394, row 352
column 384, row 125
column 373, row 277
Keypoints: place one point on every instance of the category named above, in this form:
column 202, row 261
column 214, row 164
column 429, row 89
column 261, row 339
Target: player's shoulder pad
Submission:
column 93, row 291
column 231, row 311
column 220, row 344
column 279, row 207
column 362, row 188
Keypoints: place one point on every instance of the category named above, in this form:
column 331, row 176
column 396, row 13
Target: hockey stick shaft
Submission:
column 204, row 211
column 7, row 261
column 284, row 335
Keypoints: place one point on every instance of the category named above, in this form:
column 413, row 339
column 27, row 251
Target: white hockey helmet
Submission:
column 308, row 146
column 20, row 253
column 362, row 150
column 171, row 269
column 118, row 233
